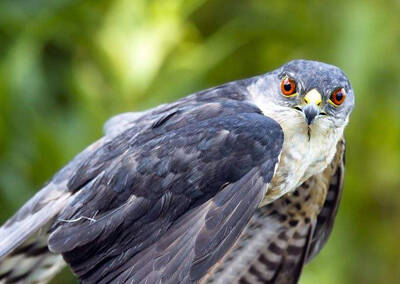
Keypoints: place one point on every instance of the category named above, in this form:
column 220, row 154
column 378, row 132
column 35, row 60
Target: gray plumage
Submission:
column 166, row 193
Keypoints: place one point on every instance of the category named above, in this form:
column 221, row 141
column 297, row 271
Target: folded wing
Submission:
column 183, row 189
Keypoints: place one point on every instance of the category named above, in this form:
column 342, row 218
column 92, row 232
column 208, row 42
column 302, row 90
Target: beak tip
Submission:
column 309, row 120
column 310, row 112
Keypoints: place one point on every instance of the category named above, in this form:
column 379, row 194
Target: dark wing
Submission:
column 287, row 233
column 50, row 200
column 25, row 235
column 182, row 188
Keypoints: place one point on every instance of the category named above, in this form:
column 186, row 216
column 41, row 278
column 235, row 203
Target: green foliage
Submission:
column 66, row 66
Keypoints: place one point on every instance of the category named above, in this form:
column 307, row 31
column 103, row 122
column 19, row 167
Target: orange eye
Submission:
column 288, row 87
column 338, row 96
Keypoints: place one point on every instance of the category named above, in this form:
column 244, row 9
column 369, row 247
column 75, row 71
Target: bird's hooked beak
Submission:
column 312, row 105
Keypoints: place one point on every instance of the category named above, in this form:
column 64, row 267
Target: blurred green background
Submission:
column 66, row 66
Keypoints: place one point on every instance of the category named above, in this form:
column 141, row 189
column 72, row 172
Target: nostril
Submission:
column 297, row 108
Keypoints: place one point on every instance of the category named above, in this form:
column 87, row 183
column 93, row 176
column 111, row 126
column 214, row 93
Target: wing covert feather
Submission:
column 131, row 198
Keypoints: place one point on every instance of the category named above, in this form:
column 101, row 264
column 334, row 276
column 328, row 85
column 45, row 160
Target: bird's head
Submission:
column 306, row 95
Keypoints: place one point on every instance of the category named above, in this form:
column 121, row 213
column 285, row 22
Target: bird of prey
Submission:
column 235, row 184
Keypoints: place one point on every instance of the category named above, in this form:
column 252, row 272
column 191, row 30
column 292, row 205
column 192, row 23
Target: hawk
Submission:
column 235, row 184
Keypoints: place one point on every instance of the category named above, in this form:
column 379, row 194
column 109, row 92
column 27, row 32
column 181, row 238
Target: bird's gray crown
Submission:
column 315, row 75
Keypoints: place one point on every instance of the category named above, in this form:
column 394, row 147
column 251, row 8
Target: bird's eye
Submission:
column 337, row 97
column 288, row 87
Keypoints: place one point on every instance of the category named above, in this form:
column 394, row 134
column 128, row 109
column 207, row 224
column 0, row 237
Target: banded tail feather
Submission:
column 31, row 262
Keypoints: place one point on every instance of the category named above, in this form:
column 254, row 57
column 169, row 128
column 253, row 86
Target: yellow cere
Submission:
column 313, row 97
